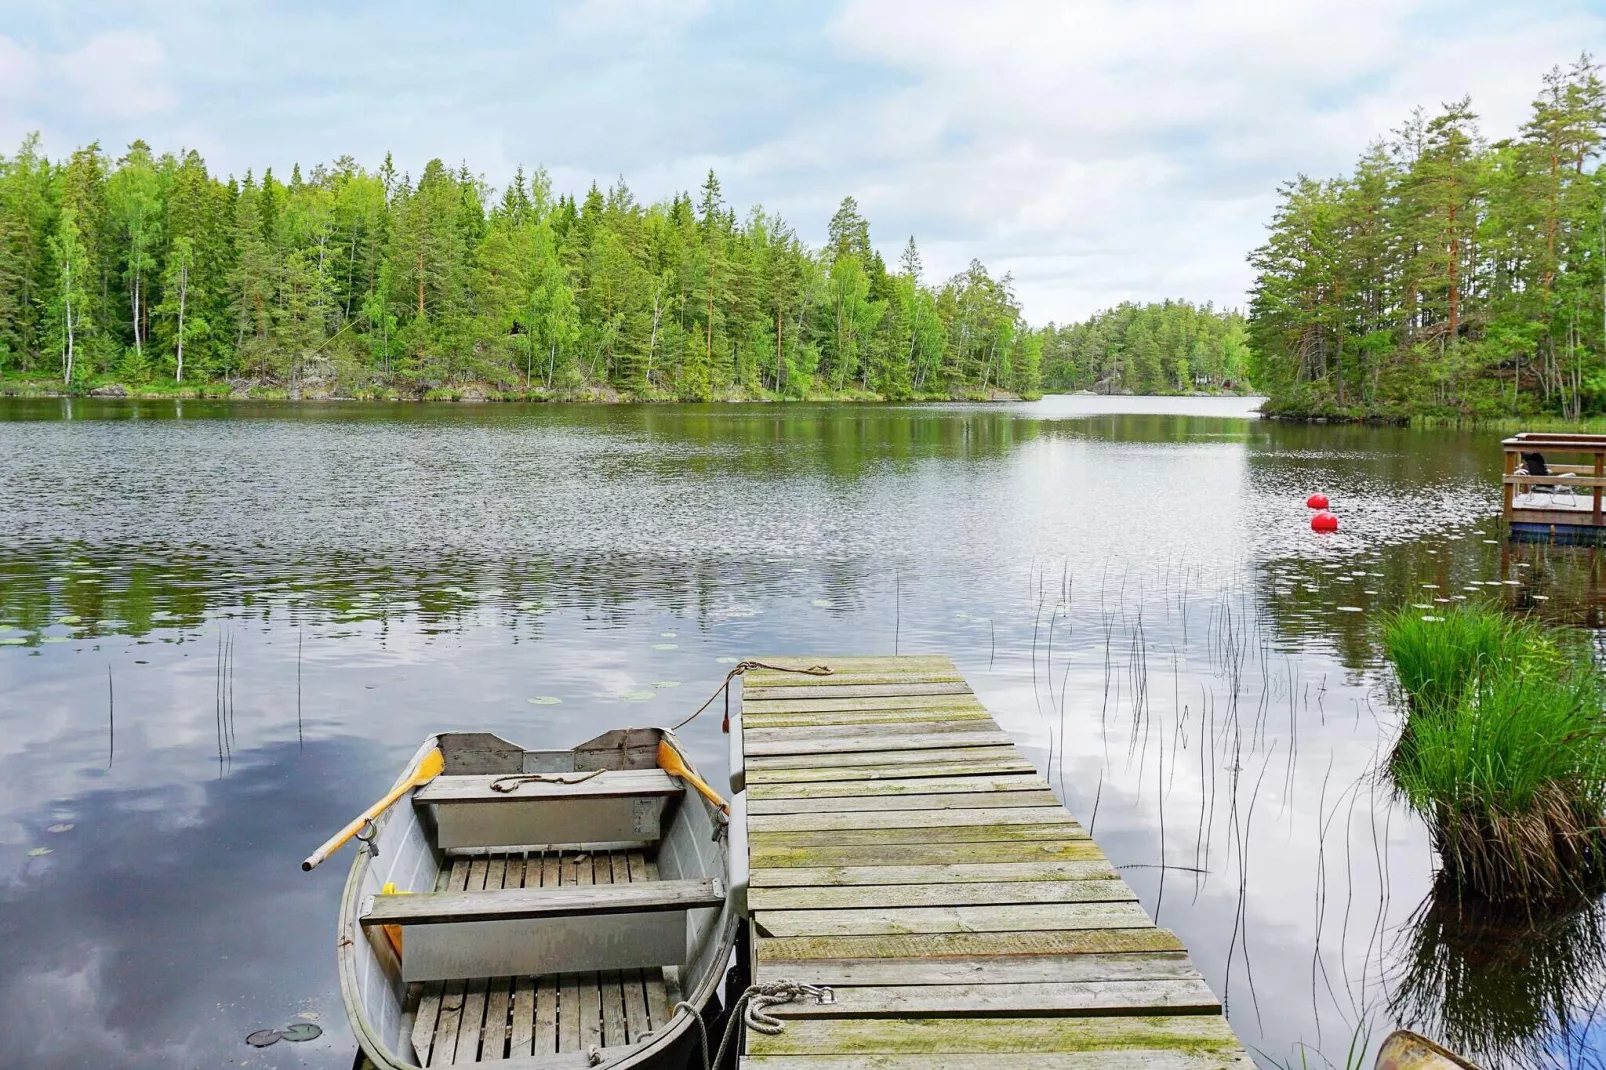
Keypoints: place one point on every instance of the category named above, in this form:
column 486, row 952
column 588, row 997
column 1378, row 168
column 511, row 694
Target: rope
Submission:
column 507, row 784
column 751, row 1011
column 741, row 667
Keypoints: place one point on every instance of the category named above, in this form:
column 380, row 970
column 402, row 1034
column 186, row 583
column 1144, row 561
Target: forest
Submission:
column 1167, row 347
column 342, row 281
column 1447, row 275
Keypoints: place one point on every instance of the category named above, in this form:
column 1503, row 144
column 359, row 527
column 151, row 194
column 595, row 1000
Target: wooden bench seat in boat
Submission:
column 465, row 934
column 614, row 807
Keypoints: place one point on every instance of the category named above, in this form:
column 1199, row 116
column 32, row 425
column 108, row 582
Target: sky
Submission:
column 1097, row 150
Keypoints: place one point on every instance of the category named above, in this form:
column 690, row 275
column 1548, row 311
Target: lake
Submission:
column 225, row 626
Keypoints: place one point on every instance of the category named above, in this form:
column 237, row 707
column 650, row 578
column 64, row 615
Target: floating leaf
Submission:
column 311, row 1016
column 71, row 618
column 527, row 604
column 13, row 640
column 5, row 627
column 264, row 1037
column 636, row 696
column 666, row 683
column 38, row 852
column 65, row 826
column 546, row 700
column 666, row 646
column 57, row 639
column 302, row 1031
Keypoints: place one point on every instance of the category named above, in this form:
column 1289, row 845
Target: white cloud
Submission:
column 1108, row 150
column 119, row 74
column 18, row 70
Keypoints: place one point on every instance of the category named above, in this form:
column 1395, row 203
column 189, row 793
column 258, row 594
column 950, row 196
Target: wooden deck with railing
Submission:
column 903, row 852
column 1566, row 499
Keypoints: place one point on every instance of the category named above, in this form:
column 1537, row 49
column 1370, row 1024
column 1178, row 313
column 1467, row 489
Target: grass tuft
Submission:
column 1504, row 751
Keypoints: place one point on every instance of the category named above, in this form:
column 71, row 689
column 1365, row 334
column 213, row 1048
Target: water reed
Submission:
column 1503, row 753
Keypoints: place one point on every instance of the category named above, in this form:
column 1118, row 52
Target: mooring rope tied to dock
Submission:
column 742, row 667
column 750, row 1010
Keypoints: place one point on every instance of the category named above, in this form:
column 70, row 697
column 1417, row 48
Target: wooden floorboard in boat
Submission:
column 903, row 852
column 490, row 1019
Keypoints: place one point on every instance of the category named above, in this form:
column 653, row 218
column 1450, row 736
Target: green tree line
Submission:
column 1446, row 275
column 148, row 268
column 1169, row 347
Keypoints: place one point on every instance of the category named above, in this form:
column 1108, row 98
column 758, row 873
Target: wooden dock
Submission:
column 903, row 852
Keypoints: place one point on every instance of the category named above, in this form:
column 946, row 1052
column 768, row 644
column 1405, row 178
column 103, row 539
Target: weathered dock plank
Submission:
column 903, row 852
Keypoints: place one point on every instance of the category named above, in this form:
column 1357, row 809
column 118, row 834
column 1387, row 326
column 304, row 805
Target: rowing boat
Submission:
column 538, row 909
column 1405, row 1050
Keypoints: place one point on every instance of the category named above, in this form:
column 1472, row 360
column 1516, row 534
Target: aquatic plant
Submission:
column 1504, row 752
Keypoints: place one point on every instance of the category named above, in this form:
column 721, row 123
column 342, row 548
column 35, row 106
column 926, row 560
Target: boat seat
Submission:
column 452, row 935
column 613, row 807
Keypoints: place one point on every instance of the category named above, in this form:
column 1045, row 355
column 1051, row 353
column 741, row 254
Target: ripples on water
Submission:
column 223, row 628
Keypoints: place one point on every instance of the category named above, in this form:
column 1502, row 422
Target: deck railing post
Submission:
column 1509, row 487
column 1600, row 470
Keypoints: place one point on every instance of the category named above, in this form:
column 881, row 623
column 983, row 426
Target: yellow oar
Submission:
column 427, row 770
column 670, row 761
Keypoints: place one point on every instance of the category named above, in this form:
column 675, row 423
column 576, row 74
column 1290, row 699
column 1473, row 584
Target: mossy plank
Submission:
column 969, row 893
column 909, row 786
column 1129, row 1059
column 923, row 854
column 828, row 718
column 968, row 945
column 1203, row 1033
column 788, row 745
column 755, row 678
column 813, row 702
column 1188, row 996
column 852, row 663
column 881, row 804
column 1065, row 829
column 752, row 734
column 1018, row 969
column 1010, row 917
column 870, row 819
column 919, row 758
column 827, row 685
column 1095, row 867
column 887, row 772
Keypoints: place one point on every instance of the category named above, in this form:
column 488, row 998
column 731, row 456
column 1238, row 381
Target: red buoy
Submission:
column 1324, row 521
column 1317, row 501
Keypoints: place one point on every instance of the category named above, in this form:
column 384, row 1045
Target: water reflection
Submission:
column 287, row 598
column 1506, row 988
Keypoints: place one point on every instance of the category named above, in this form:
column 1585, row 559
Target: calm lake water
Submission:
column 223, row 628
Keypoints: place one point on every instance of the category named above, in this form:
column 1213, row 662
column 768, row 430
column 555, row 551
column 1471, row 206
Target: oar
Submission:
column 427, row 770
column 670, row 761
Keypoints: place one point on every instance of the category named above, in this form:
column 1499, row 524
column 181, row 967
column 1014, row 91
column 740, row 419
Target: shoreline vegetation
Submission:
column 147, row 274
column 1448, row 277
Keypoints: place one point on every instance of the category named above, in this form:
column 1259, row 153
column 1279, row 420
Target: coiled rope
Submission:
column 751, row 1010
column 741, row 667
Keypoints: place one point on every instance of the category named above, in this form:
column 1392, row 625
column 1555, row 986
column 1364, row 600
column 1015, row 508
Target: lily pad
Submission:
column 262, row 1038
column 13, row 640
column 302, row 1031
column 71, row 618
column 546, row 700
column 529, row 605
column 666, row 646
column 636, row 696
column 38, row 852
column 65, row 826
column 57, row 639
